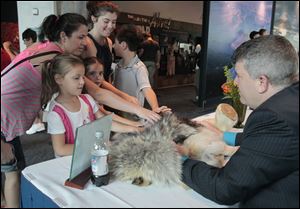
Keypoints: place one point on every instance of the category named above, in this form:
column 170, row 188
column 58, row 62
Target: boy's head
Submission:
column 94, row 70
column 29, row 37
column 128, row 38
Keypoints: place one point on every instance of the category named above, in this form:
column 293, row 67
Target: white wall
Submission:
column 71, row 6
column 26, row 19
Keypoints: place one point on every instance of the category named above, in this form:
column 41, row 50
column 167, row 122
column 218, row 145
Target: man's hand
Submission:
column 182, row 150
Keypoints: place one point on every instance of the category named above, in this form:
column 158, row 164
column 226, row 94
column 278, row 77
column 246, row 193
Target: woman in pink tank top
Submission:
column 21, row 89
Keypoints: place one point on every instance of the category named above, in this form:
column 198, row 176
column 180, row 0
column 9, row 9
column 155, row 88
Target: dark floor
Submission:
column 38, row 148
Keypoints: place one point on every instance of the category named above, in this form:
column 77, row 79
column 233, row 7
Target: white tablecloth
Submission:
column 49, row 178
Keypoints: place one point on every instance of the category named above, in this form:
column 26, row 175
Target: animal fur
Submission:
column 151, row 156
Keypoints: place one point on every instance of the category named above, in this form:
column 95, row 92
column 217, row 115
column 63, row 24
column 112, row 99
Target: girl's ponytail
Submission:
column 49, row 86
column 47, row 28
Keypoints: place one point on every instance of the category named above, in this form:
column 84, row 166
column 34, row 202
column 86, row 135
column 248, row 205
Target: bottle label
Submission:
column 99, row 162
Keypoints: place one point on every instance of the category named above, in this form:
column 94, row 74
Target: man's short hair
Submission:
column 29, row 33
column 270, row 55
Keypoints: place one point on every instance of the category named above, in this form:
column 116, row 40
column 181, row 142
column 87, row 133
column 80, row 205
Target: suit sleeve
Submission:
column 267, row 153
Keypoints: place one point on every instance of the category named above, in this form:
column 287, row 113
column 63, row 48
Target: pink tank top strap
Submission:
column 91, row 113
column 69, row 136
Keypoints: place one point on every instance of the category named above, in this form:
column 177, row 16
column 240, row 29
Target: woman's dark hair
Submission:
column 98, row 8
column 53, row 25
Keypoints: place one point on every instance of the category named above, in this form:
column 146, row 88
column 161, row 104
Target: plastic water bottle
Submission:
column 99, row 163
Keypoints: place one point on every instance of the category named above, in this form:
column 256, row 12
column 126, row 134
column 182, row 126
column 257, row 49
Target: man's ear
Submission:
column 262, row 84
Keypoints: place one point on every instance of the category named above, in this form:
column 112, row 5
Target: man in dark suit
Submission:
column 264, row 172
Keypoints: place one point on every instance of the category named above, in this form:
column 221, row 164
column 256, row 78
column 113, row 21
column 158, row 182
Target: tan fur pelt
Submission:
column 151, row 156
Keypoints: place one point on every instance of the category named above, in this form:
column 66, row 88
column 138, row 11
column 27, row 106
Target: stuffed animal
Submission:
column 151, row 156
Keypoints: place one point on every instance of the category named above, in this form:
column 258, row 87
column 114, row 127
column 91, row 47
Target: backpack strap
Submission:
column 28, row 58
column 91, row 112
column 69, row 136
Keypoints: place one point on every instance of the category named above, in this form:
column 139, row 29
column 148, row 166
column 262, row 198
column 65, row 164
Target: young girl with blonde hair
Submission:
column 70, row 109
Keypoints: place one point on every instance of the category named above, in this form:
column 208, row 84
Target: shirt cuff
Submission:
column 184, row 158
column 229, row 138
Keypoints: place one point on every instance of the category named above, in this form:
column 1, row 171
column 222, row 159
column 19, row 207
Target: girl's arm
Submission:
column 119, row 127
column 126, row 121
column 120, row 119
column 122, row 128
column 108, row 98
column 108, row 86
column 59, row 146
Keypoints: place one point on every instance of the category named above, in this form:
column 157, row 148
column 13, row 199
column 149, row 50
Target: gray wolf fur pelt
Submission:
column 151, row 155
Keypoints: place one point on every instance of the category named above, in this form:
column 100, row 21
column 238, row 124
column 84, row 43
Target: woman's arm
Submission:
column 10, row 50
column 59, row 146
column 110, row 44
column 108, row 98
column 108, row 86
